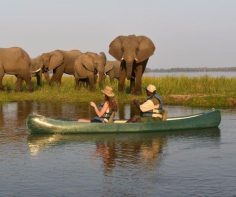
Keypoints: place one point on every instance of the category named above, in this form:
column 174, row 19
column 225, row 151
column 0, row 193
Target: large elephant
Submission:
column 133, row 52
column 15, row 61
column 60, row 62
column 88, row 65
column 112, row 69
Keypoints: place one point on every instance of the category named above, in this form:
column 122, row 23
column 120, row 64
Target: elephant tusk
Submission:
column 136, row 59
column 122, row 59
column 36, row 71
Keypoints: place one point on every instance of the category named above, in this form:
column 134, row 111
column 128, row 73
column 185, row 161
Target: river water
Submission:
column 186, row 163
column 192, row 74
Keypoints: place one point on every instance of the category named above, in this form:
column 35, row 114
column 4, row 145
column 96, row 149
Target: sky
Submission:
column 186, row 33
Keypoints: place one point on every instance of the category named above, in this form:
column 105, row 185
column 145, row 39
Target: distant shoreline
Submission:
column 201, row 69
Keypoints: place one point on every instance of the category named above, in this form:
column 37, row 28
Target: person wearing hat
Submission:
column 104, row 112
column 152, row 108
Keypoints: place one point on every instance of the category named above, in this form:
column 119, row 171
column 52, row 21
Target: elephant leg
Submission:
column 1, row 78
column 46, row 77
column 91, row 82
column 132, row 84
column 122, row 77
column 39, row 78
column 82, row 83
column 138, row 77
column 77, row 81
column 29, row 83
column 19, row 81
column 85, row 83
column 111, row 76
column 57, row 75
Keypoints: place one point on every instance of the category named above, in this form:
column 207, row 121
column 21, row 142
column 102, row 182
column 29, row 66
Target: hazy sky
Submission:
column 187, row 33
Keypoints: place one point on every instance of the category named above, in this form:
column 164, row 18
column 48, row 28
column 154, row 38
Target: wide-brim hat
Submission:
column 108, row 91
column 151, row 88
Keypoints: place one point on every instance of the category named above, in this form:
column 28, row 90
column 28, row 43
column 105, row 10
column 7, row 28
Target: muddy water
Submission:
column 199, row 163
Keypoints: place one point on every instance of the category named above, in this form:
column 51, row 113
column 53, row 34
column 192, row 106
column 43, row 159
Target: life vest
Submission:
column 106, row 116
column 158, row 110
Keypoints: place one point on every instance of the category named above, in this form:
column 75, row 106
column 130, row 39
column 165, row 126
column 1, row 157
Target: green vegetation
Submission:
column 195, row 91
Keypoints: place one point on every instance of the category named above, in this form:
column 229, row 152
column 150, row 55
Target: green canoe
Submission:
column 38, row 124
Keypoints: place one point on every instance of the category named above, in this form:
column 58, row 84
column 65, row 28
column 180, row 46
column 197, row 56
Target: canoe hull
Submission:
column 41, row 124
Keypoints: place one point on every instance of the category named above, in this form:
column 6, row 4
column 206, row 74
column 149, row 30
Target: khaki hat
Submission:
column 151, row 88
column 108, row 91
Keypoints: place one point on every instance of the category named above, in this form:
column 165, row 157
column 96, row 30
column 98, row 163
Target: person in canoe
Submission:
column 105, row 111
column 151, row 109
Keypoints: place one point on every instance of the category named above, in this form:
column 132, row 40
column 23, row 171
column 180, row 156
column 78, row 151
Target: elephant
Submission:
column 87, row 66
column 112, row 69
column 133, row 52
column 37, row 71
column 16, row 61
column 59, row 61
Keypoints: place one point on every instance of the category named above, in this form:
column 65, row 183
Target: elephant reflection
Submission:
column 133, row 52
column 87, row 66
column 58, row 61
column 15, row 61
column 112, row 69
column 13, row 116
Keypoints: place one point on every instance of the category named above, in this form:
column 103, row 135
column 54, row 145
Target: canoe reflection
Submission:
column 119, row 149
column 13, row 115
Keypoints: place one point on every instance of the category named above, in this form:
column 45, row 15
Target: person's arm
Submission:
column 102, row 111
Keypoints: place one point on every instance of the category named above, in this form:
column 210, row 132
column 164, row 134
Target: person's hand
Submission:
column 92, row 104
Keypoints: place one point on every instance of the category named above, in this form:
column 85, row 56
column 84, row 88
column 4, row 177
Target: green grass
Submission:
column 195, row 91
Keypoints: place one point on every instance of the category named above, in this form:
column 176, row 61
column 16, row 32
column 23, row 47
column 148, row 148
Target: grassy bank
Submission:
column 195, row 91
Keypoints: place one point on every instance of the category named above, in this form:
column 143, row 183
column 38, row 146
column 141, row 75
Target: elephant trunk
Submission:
column 101, row 79
column 129, row 69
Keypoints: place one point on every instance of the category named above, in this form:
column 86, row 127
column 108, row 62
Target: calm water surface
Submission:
column 192, row 74
column 198, row 163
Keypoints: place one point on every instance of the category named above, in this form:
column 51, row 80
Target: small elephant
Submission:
column 87, row 66
column 36, row 71
column 133, row 52
column 112, row 69
column 15, row 61
column 59, row 61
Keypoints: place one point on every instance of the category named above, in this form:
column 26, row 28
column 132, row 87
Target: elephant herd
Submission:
column 131, row 53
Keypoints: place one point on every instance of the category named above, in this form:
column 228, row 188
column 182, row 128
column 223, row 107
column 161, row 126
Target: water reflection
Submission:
column 111, row 149
column 122, row 149
column 13, row 115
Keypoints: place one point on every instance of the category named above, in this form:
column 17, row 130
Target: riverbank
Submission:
column 195, row 91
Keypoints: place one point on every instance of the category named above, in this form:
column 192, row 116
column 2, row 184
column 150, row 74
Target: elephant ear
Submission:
column 108, row 66
column 146, row 48
column 115, row 47
column 103, row 57
column 56, row 59
column 87, row 62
